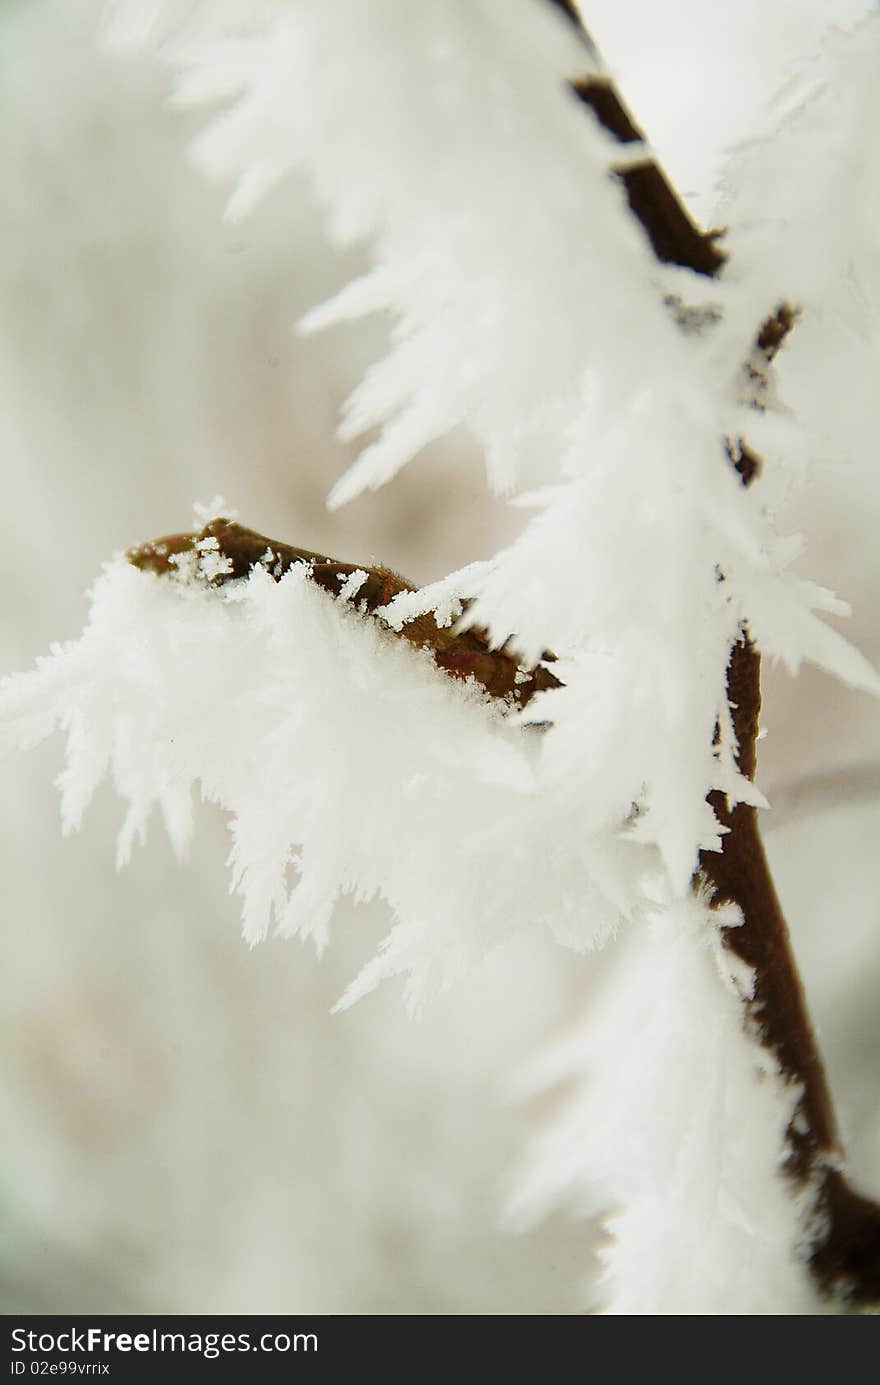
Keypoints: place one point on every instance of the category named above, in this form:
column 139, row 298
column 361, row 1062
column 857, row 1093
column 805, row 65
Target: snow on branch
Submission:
column 652, row 1090
column 373, row 740
column 526, row 302
column 329, row 740
column 450, row 140
column 802, row 205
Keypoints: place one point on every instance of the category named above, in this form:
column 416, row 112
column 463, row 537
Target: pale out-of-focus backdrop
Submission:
column 186, row 1126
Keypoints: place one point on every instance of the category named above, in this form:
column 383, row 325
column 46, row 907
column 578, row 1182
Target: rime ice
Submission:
column 526, row 307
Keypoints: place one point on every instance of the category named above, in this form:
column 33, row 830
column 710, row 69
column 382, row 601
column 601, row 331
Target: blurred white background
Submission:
column 187, row 1128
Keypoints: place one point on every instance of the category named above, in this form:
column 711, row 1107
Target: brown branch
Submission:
column 845, row 1255
column 674, row 236
column 740, row 875
column 845, row 1245
column 461, row 654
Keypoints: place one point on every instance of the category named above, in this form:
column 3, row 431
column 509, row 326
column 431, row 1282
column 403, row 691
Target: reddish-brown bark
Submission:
column 845, row 1258
column 461, row 654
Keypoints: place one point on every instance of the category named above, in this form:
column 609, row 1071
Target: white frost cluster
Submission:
column 659, row 1115
column 350, row 765
column 803, row 206
column 813, row 238
column 525, row 304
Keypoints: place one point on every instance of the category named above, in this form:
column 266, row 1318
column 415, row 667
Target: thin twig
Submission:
column 235, row 550
column 845, row 1255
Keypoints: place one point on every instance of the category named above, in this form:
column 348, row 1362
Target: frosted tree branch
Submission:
column 225, row 551
column 617, row 787
column 845, row 1256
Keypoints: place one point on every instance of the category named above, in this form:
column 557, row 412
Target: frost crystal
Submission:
column 524, row 304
